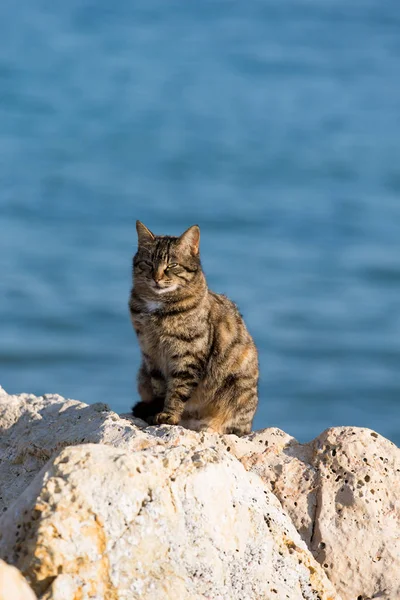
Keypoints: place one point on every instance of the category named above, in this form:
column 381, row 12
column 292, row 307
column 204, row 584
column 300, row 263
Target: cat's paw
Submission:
column 165, row 418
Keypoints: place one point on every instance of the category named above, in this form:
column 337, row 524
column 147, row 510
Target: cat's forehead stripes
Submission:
column 163, row 248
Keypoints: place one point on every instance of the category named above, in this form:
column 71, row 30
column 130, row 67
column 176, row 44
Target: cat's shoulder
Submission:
column 223, row 302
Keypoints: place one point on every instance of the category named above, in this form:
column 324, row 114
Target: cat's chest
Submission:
column 154, row 329
column 148, row 326
column 152, row 306
column 145, row 317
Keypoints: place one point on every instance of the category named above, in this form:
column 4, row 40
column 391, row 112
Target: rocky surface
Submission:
column 151, row 512
column 160, row 523
column 34, row 428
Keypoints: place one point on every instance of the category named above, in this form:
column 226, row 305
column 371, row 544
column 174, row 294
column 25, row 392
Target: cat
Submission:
column 199, row 363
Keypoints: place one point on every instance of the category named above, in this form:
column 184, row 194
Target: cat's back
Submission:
column 230, row 331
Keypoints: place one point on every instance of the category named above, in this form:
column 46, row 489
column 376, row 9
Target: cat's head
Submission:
column 167, row 266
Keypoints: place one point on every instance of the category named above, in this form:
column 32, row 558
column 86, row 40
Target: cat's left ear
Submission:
column 145, row 236
column 190, row 239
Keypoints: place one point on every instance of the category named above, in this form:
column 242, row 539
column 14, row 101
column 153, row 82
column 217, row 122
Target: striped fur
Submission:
column 199, row 363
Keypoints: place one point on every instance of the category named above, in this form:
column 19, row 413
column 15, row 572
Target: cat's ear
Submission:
column 190, row 239
column 144, row 235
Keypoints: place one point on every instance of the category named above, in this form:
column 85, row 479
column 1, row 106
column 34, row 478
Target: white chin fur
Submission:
column 171, row 288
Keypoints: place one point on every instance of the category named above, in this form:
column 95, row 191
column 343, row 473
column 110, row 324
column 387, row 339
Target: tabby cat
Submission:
column 199, row 363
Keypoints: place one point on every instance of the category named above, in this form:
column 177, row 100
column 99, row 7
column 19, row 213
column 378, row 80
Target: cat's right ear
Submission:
column 190, row 239
column 144, row 235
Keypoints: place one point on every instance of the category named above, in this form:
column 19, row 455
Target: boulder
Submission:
column 162, row 522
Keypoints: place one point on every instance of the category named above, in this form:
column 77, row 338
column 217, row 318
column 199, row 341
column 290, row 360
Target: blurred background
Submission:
column 273, row 125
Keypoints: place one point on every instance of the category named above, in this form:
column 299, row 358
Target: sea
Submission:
column 273, row 125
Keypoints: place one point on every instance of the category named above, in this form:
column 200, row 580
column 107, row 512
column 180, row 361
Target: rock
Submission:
column 342, row 492
column 12, row 585
column 161, row 522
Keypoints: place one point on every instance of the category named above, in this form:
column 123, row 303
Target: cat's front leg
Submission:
column 151, row 388
column 181, row 385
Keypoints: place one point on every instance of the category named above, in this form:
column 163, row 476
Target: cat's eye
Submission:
column 172, row 266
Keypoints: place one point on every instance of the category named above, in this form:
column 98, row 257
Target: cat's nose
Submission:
column 157, row 276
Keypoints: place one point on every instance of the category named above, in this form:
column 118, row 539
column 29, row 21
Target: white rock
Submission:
column 342, row 492
column 99, row 522
column 12, row 585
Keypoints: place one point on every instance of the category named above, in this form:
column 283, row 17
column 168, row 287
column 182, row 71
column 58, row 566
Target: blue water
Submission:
column 273, row 125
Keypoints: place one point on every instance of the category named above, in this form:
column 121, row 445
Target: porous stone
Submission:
column 357, row 520
column 342, row 492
